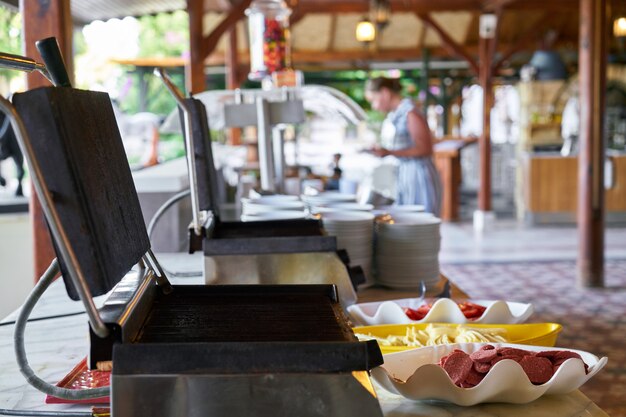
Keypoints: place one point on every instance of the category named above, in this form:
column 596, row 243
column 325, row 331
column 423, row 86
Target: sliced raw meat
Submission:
column 474, row 377
column 550, row 354
column 467, row 371
column 507, row 351
column 560, row 362
column 501, row 358
column 538, row 369
column 484, row 355
column 442, row 360
column 566, row 354
column 458, row 366
column 481, row 367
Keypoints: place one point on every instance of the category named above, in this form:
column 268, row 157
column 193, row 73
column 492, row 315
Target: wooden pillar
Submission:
column 425, row 79
column 592, row 73
column 42, row 19
column 484, row 145
column 194, row 69
column 232, row 76
column 232, row 60
column 444, row 101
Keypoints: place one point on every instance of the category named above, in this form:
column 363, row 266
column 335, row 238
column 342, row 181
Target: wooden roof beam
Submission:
column 428, row 6
column 454, row 47
column 209, row 42
column 295, row 17
column 525, row 40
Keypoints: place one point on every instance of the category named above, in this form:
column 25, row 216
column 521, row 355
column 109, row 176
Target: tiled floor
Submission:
column 509, row 241
column 593, row 319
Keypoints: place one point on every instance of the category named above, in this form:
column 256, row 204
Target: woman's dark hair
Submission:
column 378, row 83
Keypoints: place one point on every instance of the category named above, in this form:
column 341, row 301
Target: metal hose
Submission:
column 169, row 203
column 20, row 352
column 40, row 413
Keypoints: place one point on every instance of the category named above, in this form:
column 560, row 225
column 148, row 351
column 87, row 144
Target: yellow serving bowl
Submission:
column 536, row 334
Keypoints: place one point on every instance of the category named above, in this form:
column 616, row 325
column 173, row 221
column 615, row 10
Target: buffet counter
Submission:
column 56, row 345
column 549, row 188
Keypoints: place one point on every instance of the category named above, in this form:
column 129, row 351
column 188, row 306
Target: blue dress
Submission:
column 417, row 178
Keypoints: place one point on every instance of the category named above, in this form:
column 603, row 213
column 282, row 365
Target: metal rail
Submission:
column 22, row 63
column 190, row 154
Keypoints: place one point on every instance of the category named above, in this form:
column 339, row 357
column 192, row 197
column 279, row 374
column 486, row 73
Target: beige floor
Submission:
column 16, row 270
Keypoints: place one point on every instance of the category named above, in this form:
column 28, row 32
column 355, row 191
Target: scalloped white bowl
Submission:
column 415, row 375
column 444, row 310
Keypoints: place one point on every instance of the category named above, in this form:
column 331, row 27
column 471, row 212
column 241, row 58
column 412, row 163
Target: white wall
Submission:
column 16, row 261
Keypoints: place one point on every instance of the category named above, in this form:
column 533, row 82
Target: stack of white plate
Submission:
column 266, row 204
column 355, row 233
column 272, row 207
column 273, row 215
column 407, row 208
column 407, row 251
column 343, row 207
column 327, row 197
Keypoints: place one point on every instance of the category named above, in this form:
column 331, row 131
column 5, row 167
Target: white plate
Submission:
column 444, row 310
column 329, row 197
column 404, row 373
column 348, row 217
column 268, row 199
column 412, row 219
column 252, row 208
column 346, row 207
column 274, row 215
column 409, row 208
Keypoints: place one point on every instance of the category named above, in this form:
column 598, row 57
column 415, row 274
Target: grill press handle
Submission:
column 51, row 54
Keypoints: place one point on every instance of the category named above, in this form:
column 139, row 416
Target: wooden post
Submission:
column 232, row 76
column 194, row 69
column 232, row 60
column 42, row 19
column 484, row 146
column 592, row 77
column 425, row 79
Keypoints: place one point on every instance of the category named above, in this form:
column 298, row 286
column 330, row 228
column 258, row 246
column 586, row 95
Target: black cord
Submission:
column 58, row 316
column 37, row 413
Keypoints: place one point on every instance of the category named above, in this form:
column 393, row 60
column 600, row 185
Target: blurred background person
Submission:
column 405, row 135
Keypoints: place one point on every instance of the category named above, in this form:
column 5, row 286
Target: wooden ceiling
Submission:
column 323, row 30
column 321, row 38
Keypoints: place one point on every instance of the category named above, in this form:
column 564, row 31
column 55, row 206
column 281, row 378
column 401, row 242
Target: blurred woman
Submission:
column 406, row 136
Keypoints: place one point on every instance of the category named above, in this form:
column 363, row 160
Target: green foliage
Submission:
column 171, row 146
column 80, row 45
column 10, row 36
column 164, row 34
column 158, row 99
column 160, row 35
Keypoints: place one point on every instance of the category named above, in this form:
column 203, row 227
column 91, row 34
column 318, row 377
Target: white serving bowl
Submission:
column 404, row 373
column 444, row 310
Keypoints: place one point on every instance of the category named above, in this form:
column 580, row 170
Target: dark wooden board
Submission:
column 79, row 149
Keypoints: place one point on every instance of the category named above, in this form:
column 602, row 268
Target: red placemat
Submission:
column 82, row 378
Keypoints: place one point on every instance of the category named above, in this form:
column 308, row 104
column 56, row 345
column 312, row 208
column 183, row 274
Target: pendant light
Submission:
column 365, row 31
column 619, row 27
